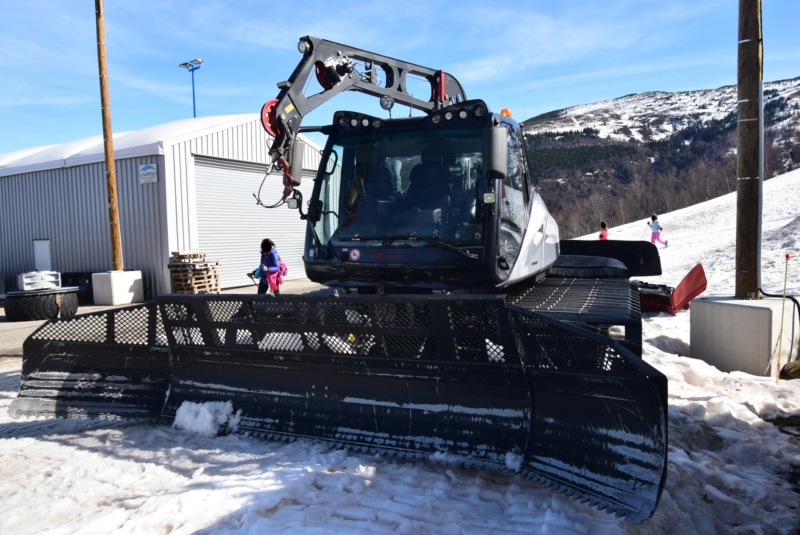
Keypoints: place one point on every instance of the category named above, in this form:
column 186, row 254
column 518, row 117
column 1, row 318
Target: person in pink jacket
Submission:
column 655, row 230
column 271, row 268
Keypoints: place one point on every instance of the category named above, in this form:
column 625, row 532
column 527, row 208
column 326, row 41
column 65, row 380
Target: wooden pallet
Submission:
column 191, row 268
column 199, row 275
column 209, row 287
column 191, row 273
column 181, row 257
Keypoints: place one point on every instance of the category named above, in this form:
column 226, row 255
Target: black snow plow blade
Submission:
column 500, row 386
column 113, row 363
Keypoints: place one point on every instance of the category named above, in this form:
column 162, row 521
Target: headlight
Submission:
column 387, row 102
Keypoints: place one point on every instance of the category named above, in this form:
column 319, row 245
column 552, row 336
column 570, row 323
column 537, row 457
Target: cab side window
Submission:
column 514, row 198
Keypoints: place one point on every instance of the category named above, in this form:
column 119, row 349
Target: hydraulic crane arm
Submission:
column 340, row 68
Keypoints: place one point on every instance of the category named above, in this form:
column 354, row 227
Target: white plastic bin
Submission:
column 38, row 280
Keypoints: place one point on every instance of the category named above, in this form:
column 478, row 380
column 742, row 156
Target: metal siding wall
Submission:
column 179, row 211
column 231, row 225
column 88, row 246
column 143, row 239
column 184, row 207
column 69, row 207
column 64, row 206
column 203, row 222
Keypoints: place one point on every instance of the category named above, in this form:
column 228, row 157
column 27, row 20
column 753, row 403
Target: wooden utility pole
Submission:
column 748, row 168
column 111, row 174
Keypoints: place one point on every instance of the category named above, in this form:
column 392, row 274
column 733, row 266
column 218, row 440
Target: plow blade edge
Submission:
column 499, row 386
column 111, row 363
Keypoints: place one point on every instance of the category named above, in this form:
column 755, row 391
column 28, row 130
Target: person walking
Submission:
column 655, row 231
column 270, row 269
column 603, row 230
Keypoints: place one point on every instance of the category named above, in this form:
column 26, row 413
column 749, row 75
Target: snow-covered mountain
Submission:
column 658, row 115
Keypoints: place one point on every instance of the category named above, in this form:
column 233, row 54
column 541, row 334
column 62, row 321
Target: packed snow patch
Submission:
column 208, row 418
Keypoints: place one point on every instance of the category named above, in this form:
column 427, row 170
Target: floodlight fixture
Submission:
column 191, row 66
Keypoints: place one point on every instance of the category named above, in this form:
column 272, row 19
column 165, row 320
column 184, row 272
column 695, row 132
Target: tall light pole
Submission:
column 192, row 66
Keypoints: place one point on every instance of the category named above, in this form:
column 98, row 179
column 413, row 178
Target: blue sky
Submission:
column 530, row 56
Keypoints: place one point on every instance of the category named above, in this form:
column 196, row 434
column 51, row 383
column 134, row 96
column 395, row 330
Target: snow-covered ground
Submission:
column 730, row 471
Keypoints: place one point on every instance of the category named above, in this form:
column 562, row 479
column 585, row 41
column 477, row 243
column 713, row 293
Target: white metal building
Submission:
column 181, row 186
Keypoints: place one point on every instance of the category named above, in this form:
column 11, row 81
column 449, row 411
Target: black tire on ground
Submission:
column 33, row 306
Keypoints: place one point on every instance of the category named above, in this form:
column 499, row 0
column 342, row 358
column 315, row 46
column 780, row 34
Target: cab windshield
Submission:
column 387, row 185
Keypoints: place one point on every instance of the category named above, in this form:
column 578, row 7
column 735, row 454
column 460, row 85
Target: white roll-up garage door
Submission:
column 231, row 225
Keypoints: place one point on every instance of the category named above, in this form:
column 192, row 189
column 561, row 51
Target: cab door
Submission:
column 514, row 200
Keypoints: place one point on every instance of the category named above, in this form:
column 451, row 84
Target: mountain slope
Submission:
column 623, row 159
column 658, row 115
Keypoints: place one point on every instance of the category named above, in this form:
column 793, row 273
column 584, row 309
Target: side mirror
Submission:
column 495, row 151
column 298, row 150
column 314, row 210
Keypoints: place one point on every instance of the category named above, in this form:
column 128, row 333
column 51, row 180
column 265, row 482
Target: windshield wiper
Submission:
column 387, row 239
